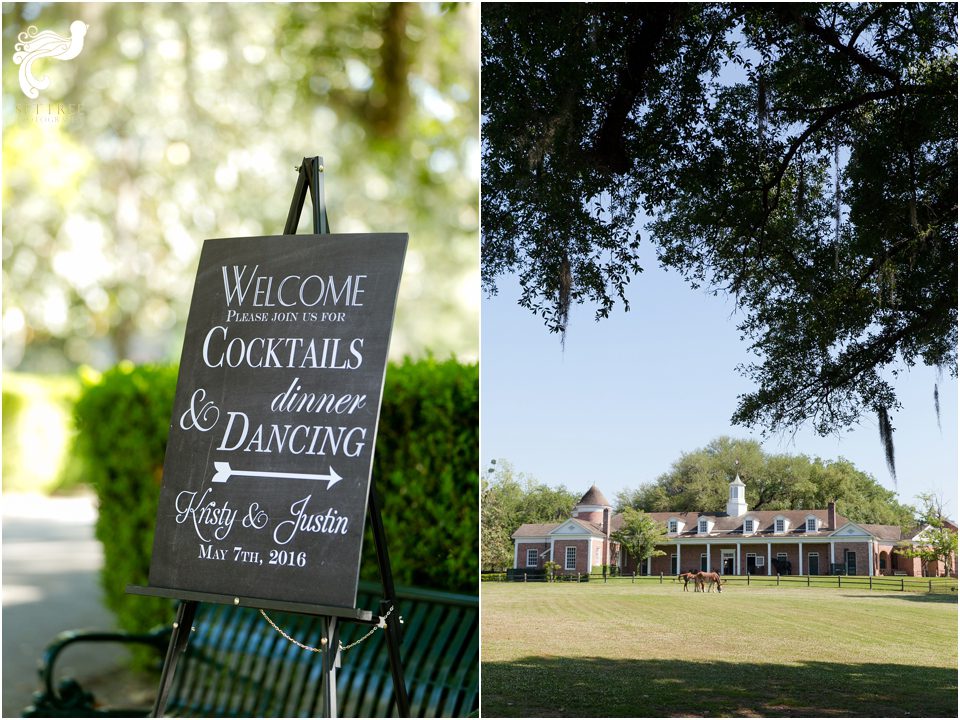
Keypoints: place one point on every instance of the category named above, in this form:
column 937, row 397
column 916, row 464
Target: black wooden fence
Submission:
column 864, row 582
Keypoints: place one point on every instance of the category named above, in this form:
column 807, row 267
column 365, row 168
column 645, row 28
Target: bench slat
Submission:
column 237, row 665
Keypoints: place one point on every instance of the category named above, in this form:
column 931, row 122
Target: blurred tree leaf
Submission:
column 190, row 122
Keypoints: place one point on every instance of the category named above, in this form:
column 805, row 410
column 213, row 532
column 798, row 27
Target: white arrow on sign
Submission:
column 225, row 472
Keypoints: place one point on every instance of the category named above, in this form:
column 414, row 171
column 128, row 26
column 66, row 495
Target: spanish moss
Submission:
column 563, row 299
column 886, row 437
column 936, row 404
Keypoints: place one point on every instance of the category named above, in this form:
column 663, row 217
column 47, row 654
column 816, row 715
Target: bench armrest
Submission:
column 69, row 699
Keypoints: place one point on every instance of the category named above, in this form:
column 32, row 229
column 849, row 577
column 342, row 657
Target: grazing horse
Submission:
column 687, row 577
column 712, row 578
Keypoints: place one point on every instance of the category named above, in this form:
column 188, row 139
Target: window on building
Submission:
column 811, row 524
column 703, row 526
column 570, row 559
column 532, row 557
column 672, row 526
column 779, row 525
column 748, row 526
column 782, row 556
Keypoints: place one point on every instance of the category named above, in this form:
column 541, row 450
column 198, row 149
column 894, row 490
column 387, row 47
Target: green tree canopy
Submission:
column 699, row 481
column 800, row 157
column 508, row 500
column 938, row 539
column 639, row 535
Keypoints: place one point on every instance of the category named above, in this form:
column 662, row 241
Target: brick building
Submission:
column 739, row 541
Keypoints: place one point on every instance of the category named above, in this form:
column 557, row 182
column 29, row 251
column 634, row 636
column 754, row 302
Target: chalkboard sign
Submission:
column 271, row 443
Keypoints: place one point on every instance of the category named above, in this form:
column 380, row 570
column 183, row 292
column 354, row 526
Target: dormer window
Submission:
column 780, row 525
column 672, row 526
column 811, row 524
column 748, row 526
column 702, row 527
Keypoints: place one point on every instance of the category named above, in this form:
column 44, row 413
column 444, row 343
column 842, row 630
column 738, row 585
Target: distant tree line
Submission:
column 699, row 480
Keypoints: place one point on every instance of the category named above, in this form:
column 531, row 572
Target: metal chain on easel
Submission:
column 323, row 641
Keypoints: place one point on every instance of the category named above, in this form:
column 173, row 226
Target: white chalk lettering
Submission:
column 293, row 439
column 331, row 523
column 220, row 349
column 203, row 513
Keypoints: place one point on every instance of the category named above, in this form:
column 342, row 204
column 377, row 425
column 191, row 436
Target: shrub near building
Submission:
column 425, row 471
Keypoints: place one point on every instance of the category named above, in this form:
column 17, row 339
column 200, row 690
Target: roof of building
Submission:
column 916, row 531
column 593, row 496
column 535, row 529
column 723, row 525
column 884, row 532
column 727, row 525
column 544, row 529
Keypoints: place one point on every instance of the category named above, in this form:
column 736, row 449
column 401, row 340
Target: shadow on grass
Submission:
column 605, row 687
column 914, row 597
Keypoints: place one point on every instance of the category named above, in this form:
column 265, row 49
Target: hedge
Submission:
column 425, row 472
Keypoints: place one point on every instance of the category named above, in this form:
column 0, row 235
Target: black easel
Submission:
column 310, row 179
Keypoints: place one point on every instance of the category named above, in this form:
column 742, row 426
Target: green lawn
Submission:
column 651, row 650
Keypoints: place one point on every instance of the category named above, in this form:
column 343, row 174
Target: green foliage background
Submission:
column 425, row 472
column 191, row 120
column 510, row 499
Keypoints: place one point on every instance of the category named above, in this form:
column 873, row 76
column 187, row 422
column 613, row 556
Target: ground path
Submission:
column 51, row 564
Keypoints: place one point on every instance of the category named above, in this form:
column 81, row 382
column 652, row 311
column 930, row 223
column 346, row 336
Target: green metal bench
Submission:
column 236, row 665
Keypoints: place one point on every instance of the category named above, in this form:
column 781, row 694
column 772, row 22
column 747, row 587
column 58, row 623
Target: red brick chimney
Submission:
column 831, row 516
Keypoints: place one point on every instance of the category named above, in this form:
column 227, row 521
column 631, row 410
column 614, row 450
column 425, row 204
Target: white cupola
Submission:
column 737, row 500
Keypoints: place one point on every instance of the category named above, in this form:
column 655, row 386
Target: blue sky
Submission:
column 631, row 393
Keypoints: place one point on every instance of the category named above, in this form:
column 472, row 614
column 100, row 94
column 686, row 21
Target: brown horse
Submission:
column 709, row 577
column 687, row 577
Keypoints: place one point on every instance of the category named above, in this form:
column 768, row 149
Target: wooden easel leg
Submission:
column 178, row 644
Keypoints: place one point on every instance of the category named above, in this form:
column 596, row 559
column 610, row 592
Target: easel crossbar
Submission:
column 354, row 614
